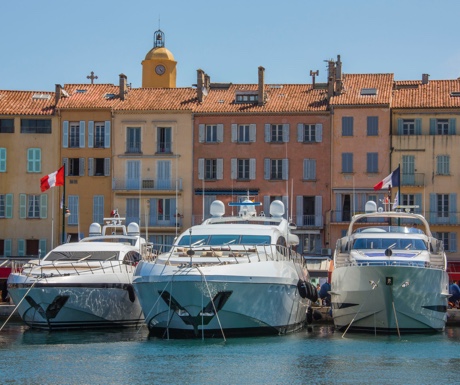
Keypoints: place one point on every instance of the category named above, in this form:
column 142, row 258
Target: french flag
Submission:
column 391, row 180
column 54, row 179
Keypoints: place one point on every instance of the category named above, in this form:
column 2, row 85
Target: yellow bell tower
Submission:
column 159, row 66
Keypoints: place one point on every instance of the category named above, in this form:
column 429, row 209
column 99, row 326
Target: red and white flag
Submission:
column 391, row 180
column 54, row 179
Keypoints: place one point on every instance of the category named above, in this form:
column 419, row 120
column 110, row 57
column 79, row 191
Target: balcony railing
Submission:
column 147, row 184
column 412, row 179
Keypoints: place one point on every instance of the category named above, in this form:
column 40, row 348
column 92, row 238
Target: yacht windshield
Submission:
column 389, row 243
column 223, row 240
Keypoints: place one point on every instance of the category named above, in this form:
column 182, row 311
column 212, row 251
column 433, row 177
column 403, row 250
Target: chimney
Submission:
column 425, row 78
column 57, row 94
column 261, row 87
column 330, row 79
column 200, row 84
column 338, row 76
column 123, row 86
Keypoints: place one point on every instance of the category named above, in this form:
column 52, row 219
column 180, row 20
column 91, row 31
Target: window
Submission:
column 211, row 133
column 35, row 126
column 276, row 134
column 408, row 199
column 243, row 169
column 133, row 140
column 2, row 205
column 6, row 205
column 164, row 209
column 98, row 166
column 347, row 162
column 276, row 169
column 74, row 210
column 442, row 127
column 75, row 166
column 408, row 127
column 312, row 243
column 247, row 98
column 164, row 144
column 34, row 160
column 243, row 133
column 372, row 126
column 99, row 135
column 98, row 209
column 442, row 165
column 74, row 141
column 6, row 126
column 442, row 201
column 210, row 169
column 347, row 126
column 372, row 162
column 33, row 206
column 309, row 133
column 309, row 169
column 2, row 159
column 444, row 238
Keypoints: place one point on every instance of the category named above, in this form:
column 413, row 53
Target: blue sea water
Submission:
column 320, row 356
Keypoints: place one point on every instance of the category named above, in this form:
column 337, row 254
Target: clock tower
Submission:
column 159, row 66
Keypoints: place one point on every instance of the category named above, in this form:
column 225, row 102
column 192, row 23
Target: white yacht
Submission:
column 229, row 276
column 389, row 274
column 85, row 284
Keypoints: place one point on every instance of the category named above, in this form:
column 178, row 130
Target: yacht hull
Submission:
column 66, row 304
column 221, row 301
column 389, row 299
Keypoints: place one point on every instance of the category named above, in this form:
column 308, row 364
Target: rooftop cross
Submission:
column 92, row 77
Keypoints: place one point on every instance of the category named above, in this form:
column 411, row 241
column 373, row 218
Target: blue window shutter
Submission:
column 252, row 132
column 285, row 163
column 453, row 126
column 44, row 206
column 107, row 134
column 433, row 209
column 299, row 210
column 82, row 133
column 7, row 248
column 452, row 242
column 9, row 206
column 252, row 168
column 418, row 202
column 432, row 126
column 266, row 205
column 90, row 134
column 65, row 133
column 234, row 132
column 400, row 126
column 201, row 168
column 418, row 126
column 220, row 133
column 38, row 160
column 338, row 207
column 21, row 247
column 153, row 211
column 107, row 167
column 319, row 132
column 300, row 133
column 453, row 209
column 65, row 162
column 233, row 168
column 42, row 247
column 22, row 206
column 318, row 210
column 266, row 168
column 267, row 132
column 2, row 159
column 220, row 169
column 201, row 133
column 90, row 167
column 286, row 133
column 82, row 166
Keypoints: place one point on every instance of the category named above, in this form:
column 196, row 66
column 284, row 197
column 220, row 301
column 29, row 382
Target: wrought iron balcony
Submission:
column 416, row 179
column 147, row 184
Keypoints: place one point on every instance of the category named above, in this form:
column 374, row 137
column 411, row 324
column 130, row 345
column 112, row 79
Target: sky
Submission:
column 50, row 42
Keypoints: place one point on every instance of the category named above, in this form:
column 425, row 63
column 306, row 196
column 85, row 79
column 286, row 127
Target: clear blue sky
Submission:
column 44, row 42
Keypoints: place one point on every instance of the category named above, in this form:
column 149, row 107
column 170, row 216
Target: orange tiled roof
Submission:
column 434, row 94
column 26, row 103
column 158, row 99
column 89, row 96
column 279, row 98
column 354, row 83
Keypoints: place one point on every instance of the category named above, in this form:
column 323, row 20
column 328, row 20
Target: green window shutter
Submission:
column 91, row 134
column 21, row 247
column 9, row 206
column 44, row 206
column 2, row 159
column 22, row 206
column 42, row 247
column 7, row 248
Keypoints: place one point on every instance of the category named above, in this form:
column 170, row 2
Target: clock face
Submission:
column 160, row 69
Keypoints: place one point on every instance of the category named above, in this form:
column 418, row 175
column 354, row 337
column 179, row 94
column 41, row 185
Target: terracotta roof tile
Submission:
column 158, row 99
column 434, row 94
column 26, row 103
column 353, row 84
column 279, row 98
column 89, row 96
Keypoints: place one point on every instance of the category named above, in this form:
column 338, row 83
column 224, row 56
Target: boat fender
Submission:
column 309, row 315
column 301, row 286
column 314, row 292
column 131, row 294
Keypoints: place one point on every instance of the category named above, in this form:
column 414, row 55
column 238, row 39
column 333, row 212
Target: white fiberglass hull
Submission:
column 221, row 300
column 389, row 299
column 75, row 302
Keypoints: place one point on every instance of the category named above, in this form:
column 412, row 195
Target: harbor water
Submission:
column 317, row 356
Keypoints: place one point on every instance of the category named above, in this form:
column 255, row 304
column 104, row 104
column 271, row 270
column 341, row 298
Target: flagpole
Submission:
column 63, row 210
column 52, row 219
